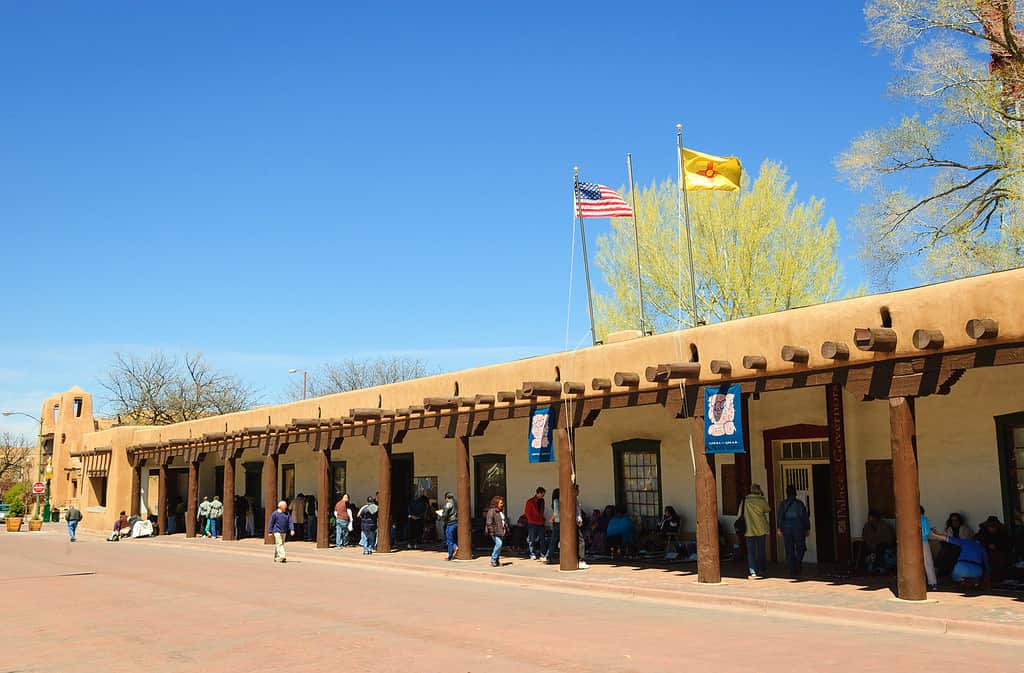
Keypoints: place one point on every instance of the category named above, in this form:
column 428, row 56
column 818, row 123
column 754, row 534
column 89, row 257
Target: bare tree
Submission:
column 158, row 390
column 353, row 374
column 15, row 459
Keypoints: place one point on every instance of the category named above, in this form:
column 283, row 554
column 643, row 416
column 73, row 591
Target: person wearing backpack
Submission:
column 368, row 523
column 216, row 512
column 794, row 527
column 72, row 517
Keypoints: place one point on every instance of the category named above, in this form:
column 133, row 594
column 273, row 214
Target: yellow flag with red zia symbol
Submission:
column 706, row 171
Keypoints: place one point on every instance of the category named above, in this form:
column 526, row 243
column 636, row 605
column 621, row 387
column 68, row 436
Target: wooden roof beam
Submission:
column 835, row 350
column 601, row 384
column 574, row 388
column 797, row 354
column 755, row 362
column 928, row 339
column 542, row 389
column 627, row 379
column 439, row 403
column 673, row 370
column 982, row 328
column 721, row 367
column 877, row 339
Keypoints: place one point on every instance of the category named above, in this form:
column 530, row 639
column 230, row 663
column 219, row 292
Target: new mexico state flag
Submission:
column 706, row 171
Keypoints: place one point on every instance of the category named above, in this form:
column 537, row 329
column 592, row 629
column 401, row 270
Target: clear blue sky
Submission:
column 280, row 185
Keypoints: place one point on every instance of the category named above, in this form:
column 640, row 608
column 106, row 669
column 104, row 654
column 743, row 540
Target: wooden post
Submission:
column 709, row 569
column 134, row 506
column 192, row 506
column 228, row 525
column 384, row 498
column 465, row 532
column 323, row 495
column 911, row 583
column 568, row 554
column 269, row 494
column 837, row 457
column 161, row 499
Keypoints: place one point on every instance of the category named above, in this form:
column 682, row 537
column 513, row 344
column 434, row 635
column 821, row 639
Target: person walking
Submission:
column 450, row 522
column 311, row 515
column 202, row 515
column 281, row 526
column 496, row 525
column 299, row 512
column 794, row 527
column 216, row 514
column 755, row 515
column 72, row 518
column 368, row 525
column 556, row 529
column 534, row 513
column 342, row 522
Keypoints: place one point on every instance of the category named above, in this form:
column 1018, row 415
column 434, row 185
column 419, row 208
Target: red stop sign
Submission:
column 38, row 488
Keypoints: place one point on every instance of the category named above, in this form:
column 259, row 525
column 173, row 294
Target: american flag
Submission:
column 594, row 200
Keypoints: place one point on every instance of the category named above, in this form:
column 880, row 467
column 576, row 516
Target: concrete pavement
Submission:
column 176, row 605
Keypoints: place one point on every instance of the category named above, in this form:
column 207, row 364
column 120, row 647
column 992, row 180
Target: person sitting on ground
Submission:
column 621, row 533
column 996, row 540
column 957, row 527
column 668, row 527
column 878, row 540
column 121, row 528
column 972, row 564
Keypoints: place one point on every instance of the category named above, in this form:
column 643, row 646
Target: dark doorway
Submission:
column 823, row 517
column 218, row 482
column 490, row 479
column 402, row 481
column 254, row 481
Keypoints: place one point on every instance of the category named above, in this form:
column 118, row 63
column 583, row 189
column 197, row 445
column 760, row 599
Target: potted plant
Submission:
column 15, row 498
column 35, row 523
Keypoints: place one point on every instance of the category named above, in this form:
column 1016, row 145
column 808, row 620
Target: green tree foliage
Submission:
column 945, row 184
column 755, row 251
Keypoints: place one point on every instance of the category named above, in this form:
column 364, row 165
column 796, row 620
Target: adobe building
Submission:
column 884, row 402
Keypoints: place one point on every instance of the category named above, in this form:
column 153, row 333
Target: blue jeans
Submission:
column 756, row 554
column 213, row 526
column 368, row 539
column 340, row 534
column 535, row 539
column 552, row 552
column 964, row 570
column 796, row 546
column 72, row 525
column 497, row 548
column 311, row 528
column 450, row 536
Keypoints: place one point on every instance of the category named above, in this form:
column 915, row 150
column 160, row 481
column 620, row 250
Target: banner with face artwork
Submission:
column 723, row 419
column 540, row 447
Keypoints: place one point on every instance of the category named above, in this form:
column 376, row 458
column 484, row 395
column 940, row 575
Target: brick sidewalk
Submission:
column 853, row 601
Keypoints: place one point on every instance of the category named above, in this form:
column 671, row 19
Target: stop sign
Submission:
column 38, row 488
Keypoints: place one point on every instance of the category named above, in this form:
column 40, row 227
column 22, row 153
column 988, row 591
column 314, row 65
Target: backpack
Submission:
column 740, row 524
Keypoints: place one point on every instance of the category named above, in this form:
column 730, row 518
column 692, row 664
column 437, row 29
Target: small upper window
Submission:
column 56, row 413
column 78, row 407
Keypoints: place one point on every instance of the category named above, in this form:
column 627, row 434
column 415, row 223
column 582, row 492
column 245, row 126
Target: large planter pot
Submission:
column 13, row 524
column 35, row 524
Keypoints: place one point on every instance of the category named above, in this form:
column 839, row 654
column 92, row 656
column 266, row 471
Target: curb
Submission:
column 701, row 597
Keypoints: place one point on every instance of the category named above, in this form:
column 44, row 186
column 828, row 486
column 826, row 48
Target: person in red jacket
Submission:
column 534, row 513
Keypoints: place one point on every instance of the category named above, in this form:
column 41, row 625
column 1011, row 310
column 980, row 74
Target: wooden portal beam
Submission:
column 877, row 339
column 982, row 328
column 928, row 339
column 323, row 497
column 269, row 494
column 574, row 388
column 228, row 528
column 568, row 508
column 192, row 504
column 797, row 354
column 671, row 371
column 627, row 379
column 384, row 498
column 462, row 502
column 162, row 501
column 709, row 568
column 755, row 362
column 542, row 389
column 721, row 367
column 134, row 505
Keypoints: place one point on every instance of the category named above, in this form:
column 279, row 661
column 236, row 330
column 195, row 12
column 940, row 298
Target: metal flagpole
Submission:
column 586, row 262
column 686, row 211
column 636, row 239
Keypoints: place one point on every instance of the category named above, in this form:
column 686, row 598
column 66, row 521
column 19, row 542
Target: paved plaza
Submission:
column 181, row 605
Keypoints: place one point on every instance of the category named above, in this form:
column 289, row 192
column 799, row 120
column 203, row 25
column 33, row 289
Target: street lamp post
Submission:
column 296, row 371
column 39, row 442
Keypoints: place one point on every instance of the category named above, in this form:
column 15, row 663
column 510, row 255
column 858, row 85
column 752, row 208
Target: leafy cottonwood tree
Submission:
column 755, row 251
column 352, row 374
column 159, row 390
column 946, row 184
column 15, row 459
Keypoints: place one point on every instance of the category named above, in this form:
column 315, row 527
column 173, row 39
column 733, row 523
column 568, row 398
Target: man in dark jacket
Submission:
column 73, row 516
column 368, row 523
column 794, row 527
column 450, row 522
column 280, row 526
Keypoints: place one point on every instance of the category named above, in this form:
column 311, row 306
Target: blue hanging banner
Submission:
column 540, row 448
column 723, row 419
